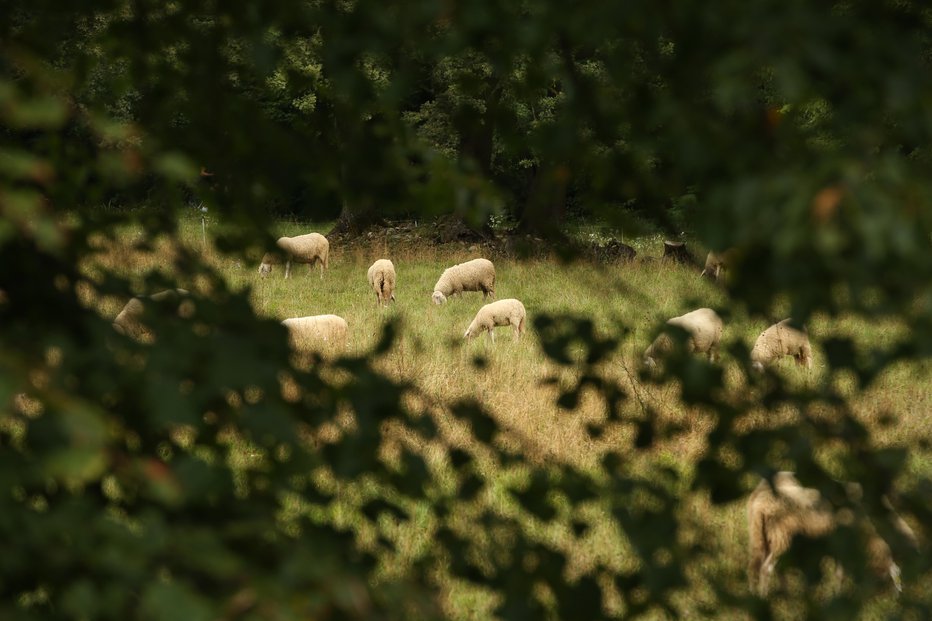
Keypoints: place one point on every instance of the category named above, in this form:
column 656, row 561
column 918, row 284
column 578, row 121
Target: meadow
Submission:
column 632, row 299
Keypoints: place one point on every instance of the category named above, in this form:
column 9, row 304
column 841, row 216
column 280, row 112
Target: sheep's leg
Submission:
column 895, row 576
column 287, row 268
column 766, row 573
column 492, row 334
column 839, row 578
column 755, row 571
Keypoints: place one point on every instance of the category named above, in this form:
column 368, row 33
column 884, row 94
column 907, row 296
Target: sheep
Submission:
column 382, row 280
column 128, row 321
column 704, row 327
column 716, row 263
column 307, row 332
column 779, row 513
column 475, row 275
column 311, row 248
column 781, row 339
column 509, row 312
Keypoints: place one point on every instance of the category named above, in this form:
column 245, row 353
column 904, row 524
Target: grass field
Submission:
column 432, row 354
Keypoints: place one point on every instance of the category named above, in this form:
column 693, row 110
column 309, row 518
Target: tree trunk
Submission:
column 677, row 252
column 355, row 218
column 477, row 130
column 357, row 188
column 544, row 211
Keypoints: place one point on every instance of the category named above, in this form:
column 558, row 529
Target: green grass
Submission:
column 431, row 353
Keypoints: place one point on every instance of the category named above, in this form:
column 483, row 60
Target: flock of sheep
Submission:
column 475, row 275
column 777, row 511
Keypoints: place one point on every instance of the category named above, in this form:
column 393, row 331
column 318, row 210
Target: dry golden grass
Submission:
column 431, row 353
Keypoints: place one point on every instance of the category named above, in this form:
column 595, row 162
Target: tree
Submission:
column 169, row 479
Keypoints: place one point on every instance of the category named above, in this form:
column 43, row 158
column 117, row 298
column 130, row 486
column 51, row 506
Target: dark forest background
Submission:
column 798, row 132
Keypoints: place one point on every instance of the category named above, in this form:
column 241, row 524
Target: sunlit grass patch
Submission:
column 627, row 301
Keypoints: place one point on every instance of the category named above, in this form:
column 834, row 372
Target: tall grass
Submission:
column 431, row 353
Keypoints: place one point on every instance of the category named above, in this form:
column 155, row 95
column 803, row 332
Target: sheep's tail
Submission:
column 759, row 547
column 521, row 323
column 381, row 287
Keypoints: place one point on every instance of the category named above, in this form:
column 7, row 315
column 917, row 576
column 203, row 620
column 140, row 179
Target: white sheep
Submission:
column 382, row 280
column 475, row 275
column 311, row 332
column 774, row 519
column 716, row 263
column 781, row 339
column 128, row 321
column 508, row 312
column 311, row 248
column 704, row 327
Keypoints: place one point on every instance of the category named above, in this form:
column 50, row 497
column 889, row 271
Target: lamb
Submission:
column 781, row 339
column 128, row 321
column 716, row 263
column 309, row 332
column 475, row 275
column 509, row 312
column 705, row 331
column 382, row 280
column 774, row 519
column 311, row 248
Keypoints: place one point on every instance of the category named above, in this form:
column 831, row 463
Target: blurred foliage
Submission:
column 158, row 479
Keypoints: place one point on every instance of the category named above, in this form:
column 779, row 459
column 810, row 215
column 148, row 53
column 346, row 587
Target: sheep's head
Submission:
column 438, row 298
column 472, row 332
column 265, row 269
column 758, row 366
column 803, row 358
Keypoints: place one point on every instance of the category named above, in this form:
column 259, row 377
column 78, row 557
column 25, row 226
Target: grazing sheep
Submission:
column 705, row 331
column 716, row 263
column 508, row 312
column 128, row 321
column 475, row 275
column 311, row 248
column 382, row 280
column 781, row 339
column 309, row 332
column 774, row 519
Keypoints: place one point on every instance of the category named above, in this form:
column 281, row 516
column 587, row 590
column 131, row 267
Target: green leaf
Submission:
column 166, row 601
column 177, row 167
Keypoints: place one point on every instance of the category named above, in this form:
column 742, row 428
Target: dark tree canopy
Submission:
column 147, row 479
